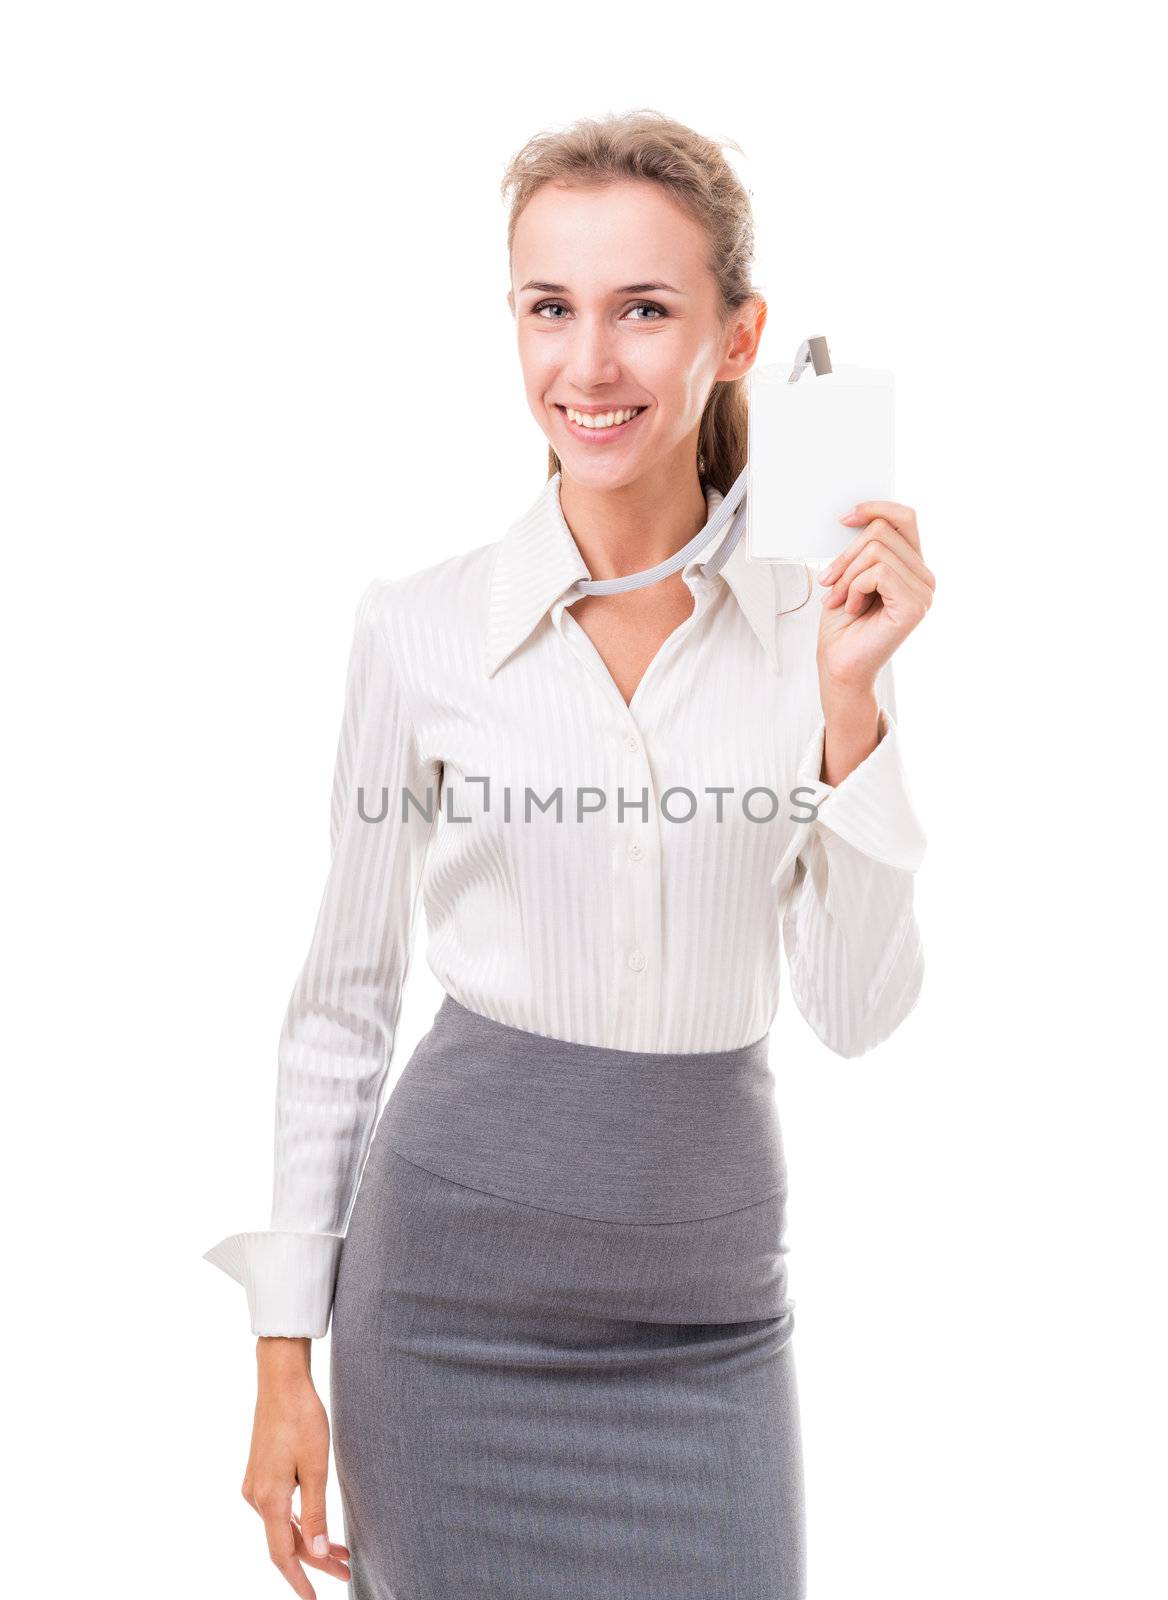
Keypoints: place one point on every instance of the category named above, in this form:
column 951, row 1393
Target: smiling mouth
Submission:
column 602, row 425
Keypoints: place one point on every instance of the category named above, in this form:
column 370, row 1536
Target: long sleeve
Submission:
column 854, row 950
column 338, row 1033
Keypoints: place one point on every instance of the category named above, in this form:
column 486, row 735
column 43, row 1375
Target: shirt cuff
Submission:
column 870, row 810
column 290, row 1279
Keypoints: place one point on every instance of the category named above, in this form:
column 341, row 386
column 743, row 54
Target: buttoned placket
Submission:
column 638, row 937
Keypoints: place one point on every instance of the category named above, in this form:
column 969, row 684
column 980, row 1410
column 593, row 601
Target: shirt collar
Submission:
column 538, row 560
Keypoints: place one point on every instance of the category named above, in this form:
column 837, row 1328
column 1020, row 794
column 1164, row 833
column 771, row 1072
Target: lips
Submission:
column 600, row 435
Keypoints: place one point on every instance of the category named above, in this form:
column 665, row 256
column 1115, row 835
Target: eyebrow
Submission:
column 628, row 288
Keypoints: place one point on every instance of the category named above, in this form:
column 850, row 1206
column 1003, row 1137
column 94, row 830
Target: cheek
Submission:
column 673, row 373
column 538, row 367
column 694, row 377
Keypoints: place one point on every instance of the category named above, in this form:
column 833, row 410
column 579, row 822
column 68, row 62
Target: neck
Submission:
column 624, row 530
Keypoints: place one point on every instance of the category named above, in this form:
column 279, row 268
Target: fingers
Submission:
column 905, row 601
column 873, row 553
column 312, row 1510
column 879, row 542
column 902, row 518
column 335, row 1563
column 274, row 1504
column 313, row 1541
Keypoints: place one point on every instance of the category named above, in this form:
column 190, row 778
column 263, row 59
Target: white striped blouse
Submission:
column 612, row 874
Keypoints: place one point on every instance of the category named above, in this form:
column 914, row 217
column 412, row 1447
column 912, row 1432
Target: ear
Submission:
column 511, row 301
column 745, row 337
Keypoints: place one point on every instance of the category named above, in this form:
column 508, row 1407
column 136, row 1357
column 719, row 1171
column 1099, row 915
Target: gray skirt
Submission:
column 561, row 1362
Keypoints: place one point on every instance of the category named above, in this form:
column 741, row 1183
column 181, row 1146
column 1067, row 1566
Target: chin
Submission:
column 600, row 475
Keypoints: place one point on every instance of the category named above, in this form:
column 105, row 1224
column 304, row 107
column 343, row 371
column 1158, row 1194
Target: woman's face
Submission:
column 617, row 309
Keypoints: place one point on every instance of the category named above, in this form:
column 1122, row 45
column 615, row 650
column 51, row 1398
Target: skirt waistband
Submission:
column 616, row 1135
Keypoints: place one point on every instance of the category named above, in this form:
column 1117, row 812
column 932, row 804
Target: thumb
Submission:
column 312, row 1513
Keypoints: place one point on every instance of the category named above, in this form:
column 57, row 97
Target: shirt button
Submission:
column 632, row 743
column 637, row 961
column 636, row 851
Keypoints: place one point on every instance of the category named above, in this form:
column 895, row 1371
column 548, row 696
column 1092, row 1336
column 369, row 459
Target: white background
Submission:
column 256, row 352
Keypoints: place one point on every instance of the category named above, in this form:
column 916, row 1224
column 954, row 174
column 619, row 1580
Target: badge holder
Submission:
column 816, row 448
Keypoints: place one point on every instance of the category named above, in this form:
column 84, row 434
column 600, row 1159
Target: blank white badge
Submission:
column 815, row 447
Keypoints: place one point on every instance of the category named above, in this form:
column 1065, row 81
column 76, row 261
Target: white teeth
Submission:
column 605, row 419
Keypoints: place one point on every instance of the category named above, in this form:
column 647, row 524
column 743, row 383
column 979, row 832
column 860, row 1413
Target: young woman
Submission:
column 562, row 1356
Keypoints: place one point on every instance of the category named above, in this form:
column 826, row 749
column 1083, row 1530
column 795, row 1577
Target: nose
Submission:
column 591, row 359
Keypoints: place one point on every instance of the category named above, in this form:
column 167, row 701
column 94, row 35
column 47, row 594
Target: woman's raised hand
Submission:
column 876, row 591
column 290, row 1447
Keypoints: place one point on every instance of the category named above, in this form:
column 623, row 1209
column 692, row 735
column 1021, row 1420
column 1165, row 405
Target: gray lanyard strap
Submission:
column 811, row 351
column 733, row 505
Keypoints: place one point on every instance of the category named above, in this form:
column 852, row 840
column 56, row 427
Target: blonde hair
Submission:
column 692, row 168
